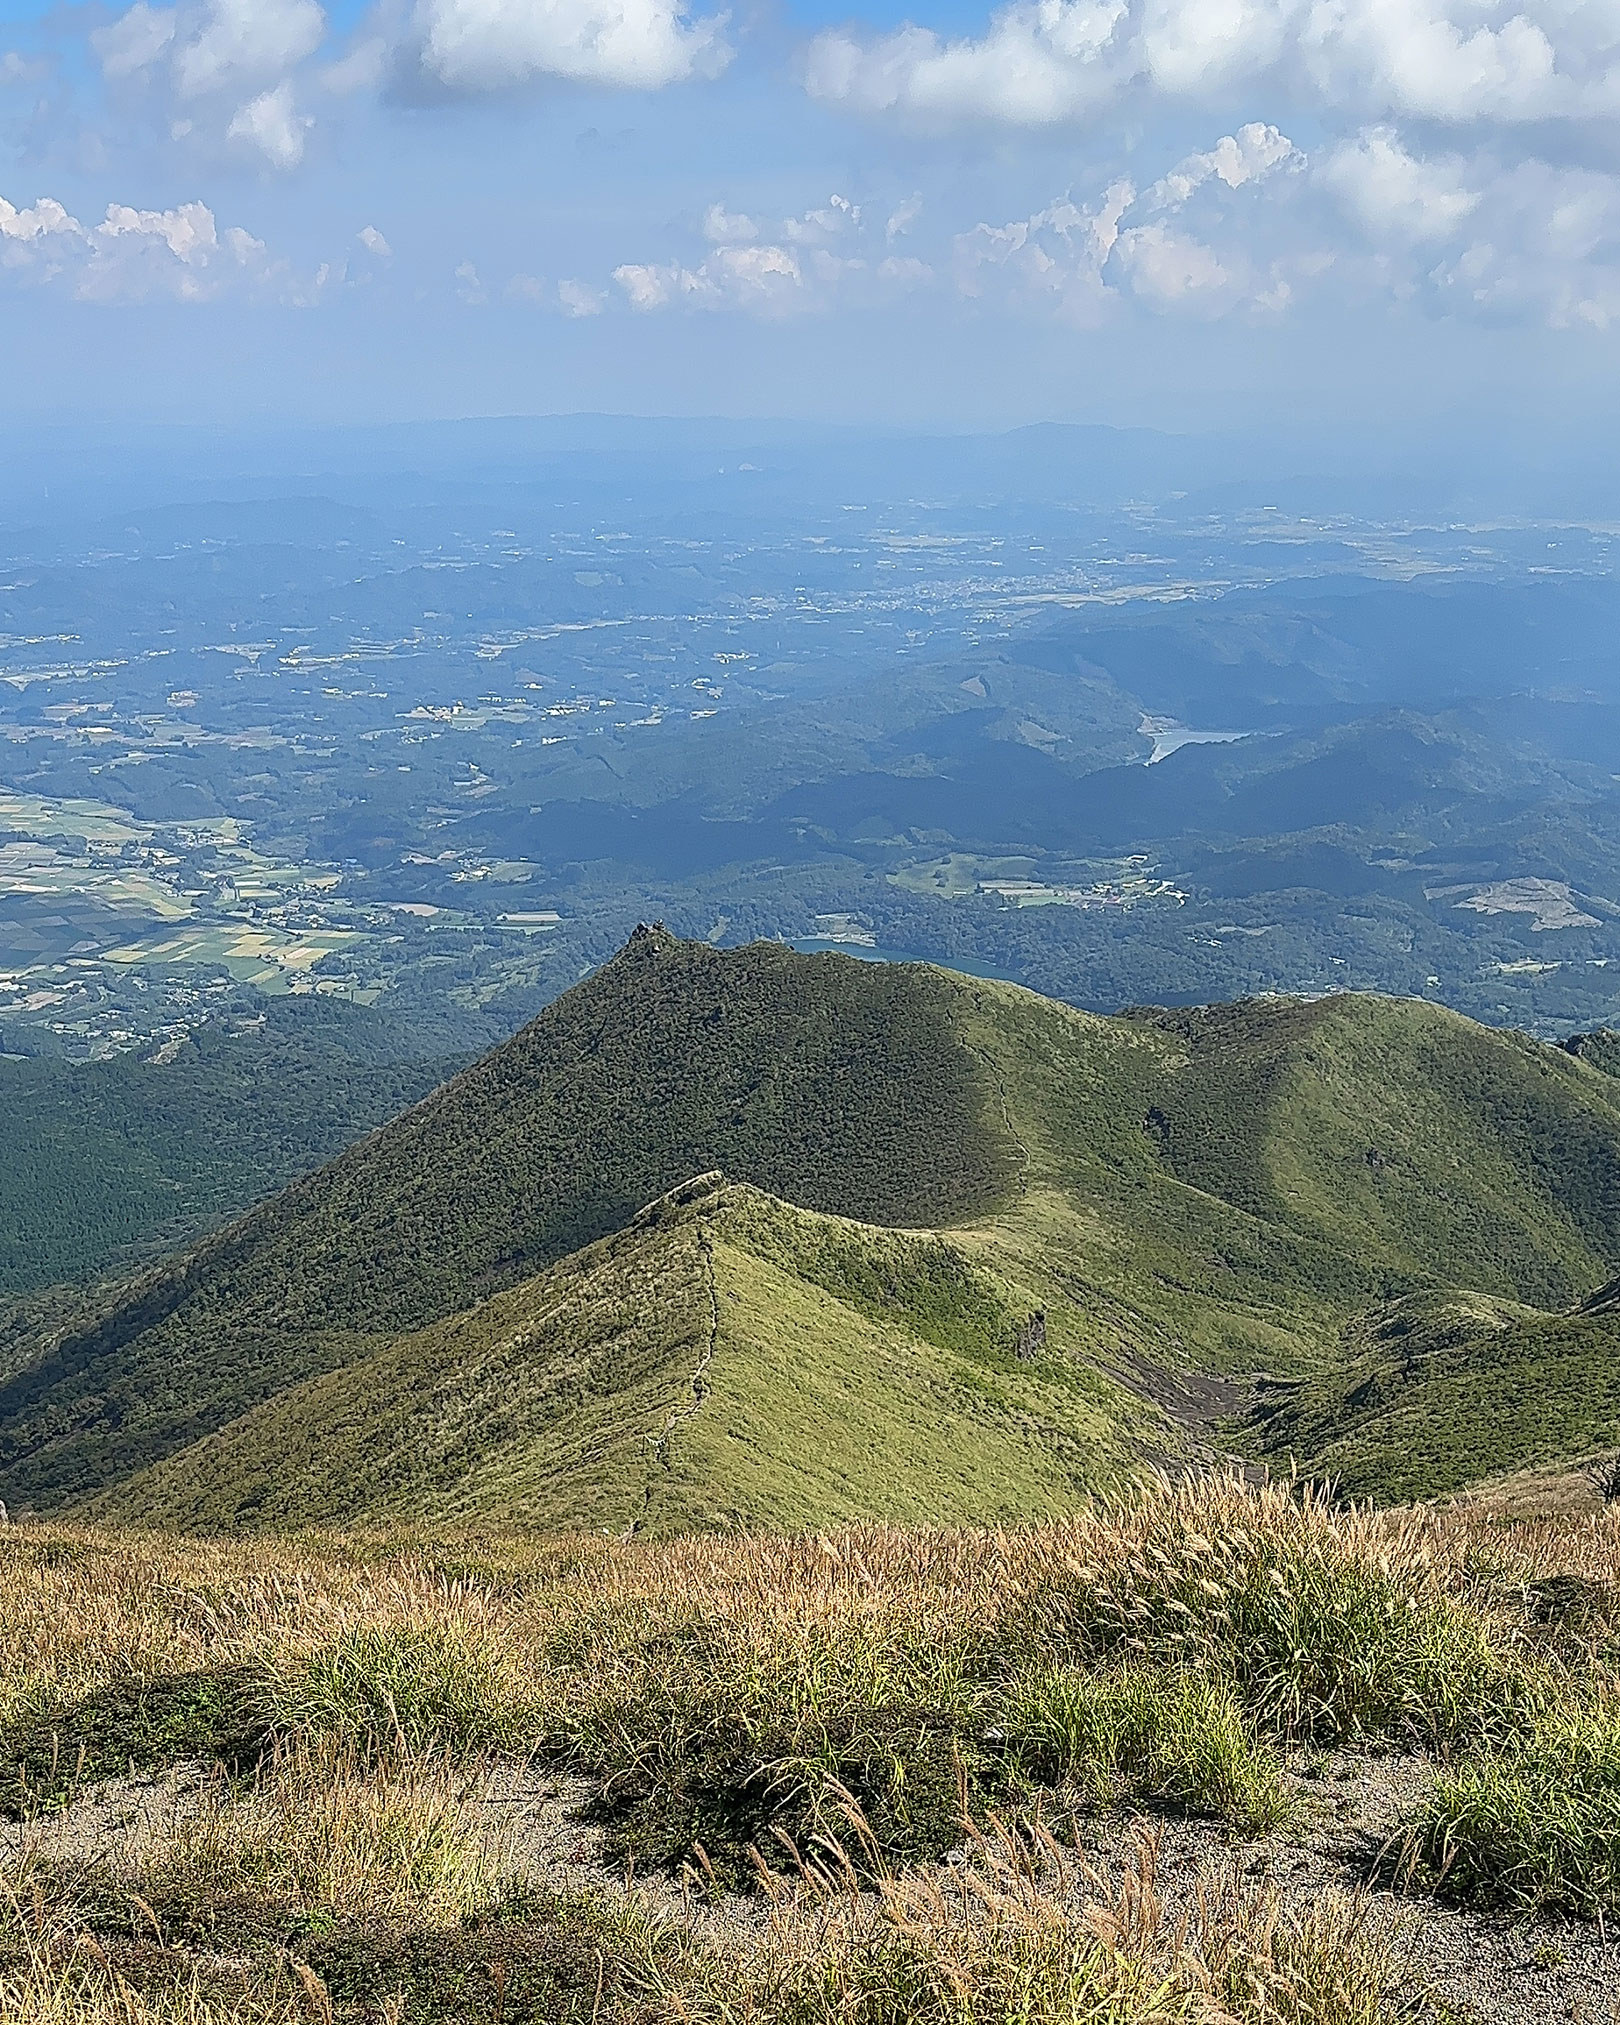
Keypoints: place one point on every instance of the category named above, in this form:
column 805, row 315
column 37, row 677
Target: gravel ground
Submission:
column 1458, row 1967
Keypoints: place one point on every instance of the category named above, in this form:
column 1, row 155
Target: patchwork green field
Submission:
column 88, row 882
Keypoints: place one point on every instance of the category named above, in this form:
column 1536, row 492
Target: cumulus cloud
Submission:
column 230, row 44
column 1043, row 61
column 222, row 68
column 578, row 298
column 272, row 125
column 1244, row 157
column 232, row 47
column 768, row 278
column 903, row 217
column 771, row 269
column 495, row 45
column 243, row 72
column 135, row 255
column 1392, row 193
column 728, row 228
column 1037, row 64
column 134, row 42
column 1171, row 268
column 1255, row 226
column 1058, row 254
column 1534, row 242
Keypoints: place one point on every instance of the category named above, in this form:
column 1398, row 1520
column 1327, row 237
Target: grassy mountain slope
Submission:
column 1398, row 1131
column 1441, row 1391
column 1240, row 1189
column 105, row 1161
column 725, row 1360
column 832, row 1083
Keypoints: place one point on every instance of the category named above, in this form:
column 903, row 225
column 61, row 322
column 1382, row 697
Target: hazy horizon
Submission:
column 1140, row 213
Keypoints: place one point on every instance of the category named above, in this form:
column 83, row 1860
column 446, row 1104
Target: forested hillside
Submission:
column 104, row 1161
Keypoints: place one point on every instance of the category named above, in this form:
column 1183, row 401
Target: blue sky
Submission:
column 1255, row 213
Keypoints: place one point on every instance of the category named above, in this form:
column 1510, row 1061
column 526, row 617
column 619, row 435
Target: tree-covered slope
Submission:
column 104, row 1161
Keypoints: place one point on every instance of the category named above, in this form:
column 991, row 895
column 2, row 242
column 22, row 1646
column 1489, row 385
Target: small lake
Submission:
column 1167, row 742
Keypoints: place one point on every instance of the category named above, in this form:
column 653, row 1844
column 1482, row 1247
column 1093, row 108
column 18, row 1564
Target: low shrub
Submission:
column 133, row 1723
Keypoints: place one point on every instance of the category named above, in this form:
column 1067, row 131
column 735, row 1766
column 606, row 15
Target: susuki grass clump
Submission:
column 1021, row 1932
column 399, row 1688
column 1330, row 1625
column 319, row 1839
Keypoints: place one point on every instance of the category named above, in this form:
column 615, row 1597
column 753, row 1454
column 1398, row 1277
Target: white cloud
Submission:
column 904, row 271
column 272, row 124
column 728, row 228
column 1391, row 193
column 760, row 278
column 768, row 267
column 362, row 67
column 136, row 255
column 1248, row 155
column 1171, row 269
column 578, row 298
column 374, row 242
column 224, row 68
column 1543, row 244
column 494, row 45
column 35, row 225
column 1056, row 256
column 903, row 217
column 236, row 43
column 1037, row 64
column 211, row 45
column 135, row 41
column 1369, row 219
column 1043, row 61
column 832, row 220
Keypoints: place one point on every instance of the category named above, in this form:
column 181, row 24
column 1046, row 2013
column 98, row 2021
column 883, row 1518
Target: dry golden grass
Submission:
column 81, row 1608
column 881, row 1688
column 1021, row 1930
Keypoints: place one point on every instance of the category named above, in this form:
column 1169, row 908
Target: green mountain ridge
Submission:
column 726, row 1359
column 962, row 1239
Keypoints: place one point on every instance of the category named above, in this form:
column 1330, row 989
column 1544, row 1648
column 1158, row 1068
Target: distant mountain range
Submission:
column 746, row 1237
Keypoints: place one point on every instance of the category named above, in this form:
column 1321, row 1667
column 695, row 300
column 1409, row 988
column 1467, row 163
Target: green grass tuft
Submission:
column 1534, row 1827
column 1169, row 1735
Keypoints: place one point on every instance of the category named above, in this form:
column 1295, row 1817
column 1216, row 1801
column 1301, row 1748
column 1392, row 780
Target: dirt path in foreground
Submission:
column 1461, row 1967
